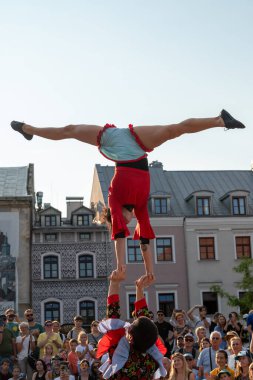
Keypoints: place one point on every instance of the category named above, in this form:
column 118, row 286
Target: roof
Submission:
column 14, row 181
column 179, row 185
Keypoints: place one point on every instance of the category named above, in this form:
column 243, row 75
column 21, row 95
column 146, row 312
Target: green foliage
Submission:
column 245, row 303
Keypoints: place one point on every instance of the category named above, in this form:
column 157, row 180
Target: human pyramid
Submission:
column 134, row 351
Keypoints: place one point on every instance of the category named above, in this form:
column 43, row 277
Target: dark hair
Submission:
column 43, row 363
column 5, row 360
column 202, row 308
column 105, row 217
column 144, row 333
column 223, row 352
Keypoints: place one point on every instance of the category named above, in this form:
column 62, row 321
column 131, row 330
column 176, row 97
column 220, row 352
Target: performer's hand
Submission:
column 118, row 275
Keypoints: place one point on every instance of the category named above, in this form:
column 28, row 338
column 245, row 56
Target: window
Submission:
column 239, row 205
column 164, row 249
column 83, row 220
column 243, row 247
column 50, row 237
column 210, row 301
column 52, row 311
column 207, row 248
column 166, row 303
column 84, row 236
column 50, row 265
column 50, row 220
column 203, row 206
column 87, row 311
column 131, row 301
column 86, row 266
column 241, row 296
column 133, row 251
column 161, row 206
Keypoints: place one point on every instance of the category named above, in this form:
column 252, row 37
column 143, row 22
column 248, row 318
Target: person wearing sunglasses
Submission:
column 35, row 327
column 206, row 360
column 12, row 321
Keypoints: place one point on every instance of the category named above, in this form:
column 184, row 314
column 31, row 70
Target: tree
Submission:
column 245, row 302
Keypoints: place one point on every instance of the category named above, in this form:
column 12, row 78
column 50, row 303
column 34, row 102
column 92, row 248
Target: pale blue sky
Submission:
column 134, row 61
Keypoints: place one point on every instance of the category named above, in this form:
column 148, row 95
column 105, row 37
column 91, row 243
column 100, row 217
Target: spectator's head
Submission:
column 244, row 359
column 56, row 326
column 29, row 315
column 233, row 316
column 95, row 368
column 200, row 332
column 24, row 328
column 215, row 317
column 224, row 374
column 189, row 359
column 221, row 358
column 48, row 326
column 222, row 320
column 84, row 365
column 64, row 369
column 160, row 316
column 5, row 365
column 236, row 345
column 78, row 321
column 142, row 333
column 48, row 349
column 66, row 345
column 180, row 341
column 166, row 363
column 16, row 372
column 10, row 315
column 151, row 315
column 56, row 361
column 178, row 363
column 179, row 317
column 73, row 344
column 94, row 327
column 82, row 338
column 40, row 365
column 229, row 335
column 202, row 311
column 215, row 340
column 204, row 343
column 188, row 341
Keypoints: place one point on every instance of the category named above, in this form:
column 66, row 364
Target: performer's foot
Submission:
column 118, row 274
column 18, row 126
column 229, row 121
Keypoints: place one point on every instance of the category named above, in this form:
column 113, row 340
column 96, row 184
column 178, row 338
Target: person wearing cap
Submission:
column 244, row 361
column 188, row 346
column 75, row 331
column 221, row 359
column 224, row 374
column 179, row 343
column 49, row 337
column 191, row 363
column 236, row 347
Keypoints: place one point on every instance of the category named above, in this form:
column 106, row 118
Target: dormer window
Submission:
column 50, row 220
column 238, row 206
column 83, row 220
column 203, row 206
column 161, row 206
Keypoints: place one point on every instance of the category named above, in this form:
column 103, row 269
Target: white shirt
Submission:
column 87, row 356
column 25, row 348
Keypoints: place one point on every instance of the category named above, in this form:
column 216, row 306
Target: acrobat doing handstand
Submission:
column 130, row 186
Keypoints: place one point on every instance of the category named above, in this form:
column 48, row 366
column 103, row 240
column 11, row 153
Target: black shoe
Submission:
column 17, row 126
column 230, row 122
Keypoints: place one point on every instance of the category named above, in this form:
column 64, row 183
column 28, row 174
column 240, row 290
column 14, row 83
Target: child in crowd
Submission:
column 73, row 357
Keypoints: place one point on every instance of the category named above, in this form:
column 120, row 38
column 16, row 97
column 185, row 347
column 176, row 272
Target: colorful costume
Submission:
column 124, row 362
column 131, row 182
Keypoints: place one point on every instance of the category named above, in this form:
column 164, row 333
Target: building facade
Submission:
column 16, row 209
column 203, row 221
column 71, row 260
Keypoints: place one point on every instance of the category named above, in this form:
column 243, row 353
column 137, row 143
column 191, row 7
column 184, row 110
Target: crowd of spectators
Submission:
column 198, row 347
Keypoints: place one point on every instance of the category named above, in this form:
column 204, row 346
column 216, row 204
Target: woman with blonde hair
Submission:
column 179, row 368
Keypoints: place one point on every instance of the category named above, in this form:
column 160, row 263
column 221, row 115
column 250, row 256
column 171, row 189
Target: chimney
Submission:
column 73, row 203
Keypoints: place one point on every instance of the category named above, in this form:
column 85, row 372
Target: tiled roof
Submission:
column 13, row 181
column 181, row 184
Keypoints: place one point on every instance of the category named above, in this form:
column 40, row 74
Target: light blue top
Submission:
column 118, row 144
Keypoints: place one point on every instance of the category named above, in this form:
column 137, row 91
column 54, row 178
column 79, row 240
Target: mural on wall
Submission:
column 9, row 243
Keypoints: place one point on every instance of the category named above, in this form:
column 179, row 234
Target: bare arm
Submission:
column 115, row 279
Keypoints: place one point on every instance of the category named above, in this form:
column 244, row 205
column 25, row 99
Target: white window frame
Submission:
column 208, row 235
column 82, row 253
column 242, row 235
column 172, row 237
column 42, row 265
column 51, row 299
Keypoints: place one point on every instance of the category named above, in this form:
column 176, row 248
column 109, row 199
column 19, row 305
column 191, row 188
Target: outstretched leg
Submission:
column 82, row 132
column 155, row 135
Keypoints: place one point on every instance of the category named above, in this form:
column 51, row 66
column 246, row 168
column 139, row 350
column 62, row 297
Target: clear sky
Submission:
column 134, row 61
